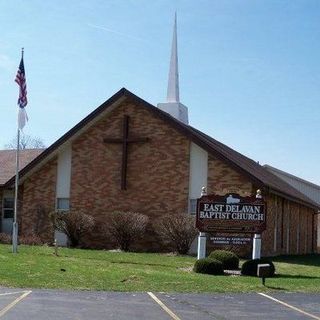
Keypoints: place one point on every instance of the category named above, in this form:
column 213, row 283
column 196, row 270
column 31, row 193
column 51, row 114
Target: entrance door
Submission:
column 7, row 214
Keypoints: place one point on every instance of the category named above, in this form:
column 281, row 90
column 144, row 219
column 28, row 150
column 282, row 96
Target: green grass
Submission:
column 38, row 267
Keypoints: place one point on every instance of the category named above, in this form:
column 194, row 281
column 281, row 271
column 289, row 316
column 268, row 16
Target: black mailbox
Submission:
column 263, row 271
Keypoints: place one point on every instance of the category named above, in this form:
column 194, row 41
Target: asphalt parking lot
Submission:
column 56, row 304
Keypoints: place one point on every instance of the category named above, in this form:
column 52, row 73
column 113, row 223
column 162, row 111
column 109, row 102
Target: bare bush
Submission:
column 126, row 228
column 177, row 230
column 75, row 224
column 5, row 238
column 31, row 240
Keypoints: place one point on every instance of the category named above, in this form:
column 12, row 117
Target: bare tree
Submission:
column 26, row 142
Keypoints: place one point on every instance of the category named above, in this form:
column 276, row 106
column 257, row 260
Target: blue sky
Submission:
column 249, row 70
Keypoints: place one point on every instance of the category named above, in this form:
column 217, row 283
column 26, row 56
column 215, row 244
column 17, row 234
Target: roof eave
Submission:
column 185, row 130
column 299, row 201
column 67, row 135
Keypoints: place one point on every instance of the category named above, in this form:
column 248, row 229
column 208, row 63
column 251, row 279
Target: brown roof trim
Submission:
column 206, row 141
column 258, row 175
column 196, row 136
column 67, row 135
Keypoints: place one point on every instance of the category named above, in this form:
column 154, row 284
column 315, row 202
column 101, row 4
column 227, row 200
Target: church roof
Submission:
column 261, row 177
column 8, row 162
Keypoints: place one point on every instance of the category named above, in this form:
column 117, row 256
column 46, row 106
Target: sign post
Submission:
column 202, row 238
column 256, row 248
column 202, row 242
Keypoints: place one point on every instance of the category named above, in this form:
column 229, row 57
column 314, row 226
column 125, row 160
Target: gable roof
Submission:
column 293, row 177
column 8, row 162
column 257, row 174
column 311, row 190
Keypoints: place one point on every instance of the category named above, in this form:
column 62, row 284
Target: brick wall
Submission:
column 283, row 216
column 157, row 176
column 1, row 196
column 157, row 184
column 38, row 200
column 291, row 224
column 222, row 179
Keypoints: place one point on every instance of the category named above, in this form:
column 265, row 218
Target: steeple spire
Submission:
column 173, row 106
column 173, row 81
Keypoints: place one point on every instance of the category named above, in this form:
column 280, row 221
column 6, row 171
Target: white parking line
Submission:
column 290, row 306
column 13, row 303
column 163, row 306
column 14, row 292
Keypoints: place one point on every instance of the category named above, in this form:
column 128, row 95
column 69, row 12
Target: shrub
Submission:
column 126, row 228
column 208, row 266
column 250, row 267
column 229, row 260
column 177, row 230
column 30, row 240
column 75, row 224
column 5, row 238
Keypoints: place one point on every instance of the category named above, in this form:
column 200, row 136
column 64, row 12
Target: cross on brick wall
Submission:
column 125, row 141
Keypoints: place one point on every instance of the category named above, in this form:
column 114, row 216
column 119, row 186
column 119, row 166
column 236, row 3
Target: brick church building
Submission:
column 128, row 155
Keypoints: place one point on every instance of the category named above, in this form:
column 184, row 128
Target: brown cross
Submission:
column 125, row 140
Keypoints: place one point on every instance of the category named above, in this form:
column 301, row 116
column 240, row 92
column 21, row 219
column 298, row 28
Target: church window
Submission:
column 63, row 204
column 193, row 206
column 8, row 208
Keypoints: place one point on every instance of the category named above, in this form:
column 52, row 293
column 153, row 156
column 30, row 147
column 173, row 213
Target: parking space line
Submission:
column 290, row 306
column 11, row 293
column 13, row 303
column 163, row 306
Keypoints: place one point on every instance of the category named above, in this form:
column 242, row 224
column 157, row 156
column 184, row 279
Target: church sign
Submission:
column 233, row 241
column 231, row 214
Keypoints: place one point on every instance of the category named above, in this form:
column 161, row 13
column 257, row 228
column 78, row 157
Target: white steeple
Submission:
column 173, row 83
column 173, row 105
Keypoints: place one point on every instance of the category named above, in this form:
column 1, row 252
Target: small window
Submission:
column 63, row 204
column 193, row 206
column 8, row 208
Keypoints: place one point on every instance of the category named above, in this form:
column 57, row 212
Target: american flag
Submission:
column 21, row 81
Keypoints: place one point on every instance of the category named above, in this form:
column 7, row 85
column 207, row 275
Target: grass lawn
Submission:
column 38, row 267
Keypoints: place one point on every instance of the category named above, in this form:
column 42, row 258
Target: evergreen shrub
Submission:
column 208, row 266
column 229, row 260
column 250, row 267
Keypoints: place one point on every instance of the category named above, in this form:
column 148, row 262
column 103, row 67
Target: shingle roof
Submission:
column 259, row 175
column 8, row 162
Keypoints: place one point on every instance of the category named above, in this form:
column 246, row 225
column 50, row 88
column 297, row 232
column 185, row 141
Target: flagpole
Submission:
column 15, row 221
